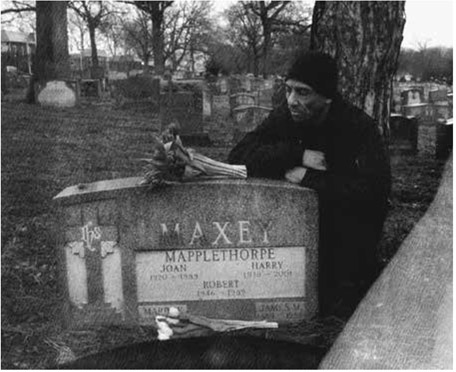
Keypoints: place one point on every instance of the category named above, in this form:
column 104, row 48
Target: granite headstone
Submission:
column 438, row 95
column 184, row 107
column 247, row 118
column 403, row 134
column 233, row 249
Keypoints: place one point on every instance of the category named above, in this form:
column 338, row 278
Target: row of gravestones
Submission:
column 439, row 104
column 223, row 112
column 423, row 126
column 219, row 113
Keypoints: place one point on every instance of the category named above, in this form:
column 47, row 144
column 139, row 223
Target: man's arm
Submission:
column 370, row 181
column 266, row 151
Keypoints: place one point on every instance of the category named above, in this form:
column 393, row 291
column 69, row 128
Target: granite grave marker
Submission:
column 247, row 118
column 403, row 134
column 232, row 249
column 184, row 107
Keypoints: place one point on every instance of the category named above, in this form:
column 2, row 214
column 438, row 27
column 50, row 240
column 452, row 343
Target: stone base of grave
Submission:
column 95, row 314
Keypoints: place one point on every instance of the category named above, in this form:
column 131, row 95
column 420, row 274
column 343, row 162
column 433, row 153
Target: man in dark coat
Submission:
column 319, row 141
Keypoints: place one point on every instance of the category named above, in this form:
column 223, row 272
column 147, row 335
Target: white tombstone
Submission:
column 57, row 94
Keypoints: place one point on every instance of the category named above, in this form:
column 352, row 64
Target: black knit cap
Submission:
column 316, row 69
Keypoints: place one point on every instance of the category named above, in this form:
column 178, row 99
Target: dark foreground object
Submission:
column 215, row 352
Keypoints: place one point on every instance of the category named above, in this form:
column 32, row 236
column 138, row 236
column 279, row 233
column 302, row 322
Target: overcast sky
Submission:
column 429, row 21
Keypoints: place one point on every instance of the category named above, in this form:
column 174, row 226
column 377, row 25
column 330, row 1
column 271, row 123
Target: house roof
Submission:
column 100, row 53
column 17, row 37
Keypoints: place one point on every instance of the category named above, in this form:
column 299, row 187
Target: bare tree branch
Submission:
column 18, row 10
column 19, row 7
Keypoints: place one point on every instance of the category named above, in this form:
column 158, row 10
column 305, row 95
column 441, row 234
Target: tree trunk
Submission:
column 81, row 57
column 192, row 61
column 256, row 63
column 146, row 68
column 93, row 47
column 266, row 46
column 365, row 38
column 158, row 43
column 51, row 57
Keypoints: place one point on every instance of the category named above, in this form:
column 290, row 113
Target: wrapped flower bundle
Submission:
column 171, row 161
column 187, row 324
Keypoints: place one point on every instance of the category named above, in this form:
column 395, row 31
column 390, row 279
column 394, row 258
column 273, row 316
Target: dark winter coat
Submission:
column 353, row 191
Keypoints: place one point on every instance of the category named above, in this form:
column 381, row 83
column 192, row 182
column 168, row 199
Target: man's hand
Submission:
column 295, row 175
column 314, row 159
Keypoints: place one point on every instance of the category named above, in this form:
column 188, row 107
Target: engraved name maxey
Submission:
column 223, row 232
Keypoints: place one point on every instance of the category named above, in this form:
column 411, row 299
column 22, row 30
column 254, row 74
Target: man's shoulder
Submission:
column 280, row 113
column 278, row 117
column 348, row 116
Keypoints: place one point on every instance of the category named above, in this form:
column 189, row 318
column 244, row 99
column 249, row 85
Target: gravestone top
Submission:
column 232, row 249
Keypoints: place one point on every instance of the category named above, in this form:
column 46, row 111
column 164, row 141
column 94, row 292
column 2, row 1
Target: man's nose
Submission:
column 291, row 100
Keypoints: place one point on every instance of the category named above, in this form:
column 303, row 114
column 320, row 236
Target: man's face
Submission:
column 304, row 103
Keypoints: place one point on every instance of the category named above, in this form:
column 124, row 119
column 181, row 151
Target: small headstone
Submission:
column 183, row 107
column 207, row 103
column 227, row 249
column 265, row 97
column 235, row 83
column 57, row 93
column 278, row 95
column 241, row 99
column 223, row 86
column 427, row 135
column 257, row 84
column 444, row 140
column 440, row 111
column 247, row 118
column 403, row 134
column 247, row 84
column 221, row 103
column 91, row 88
column 219, row 124
column 412, row 96
column 438, row 95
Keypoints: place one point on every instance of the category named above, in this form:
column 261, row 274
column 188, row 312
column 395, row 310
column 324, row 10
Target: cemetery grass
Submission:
column 45, row 150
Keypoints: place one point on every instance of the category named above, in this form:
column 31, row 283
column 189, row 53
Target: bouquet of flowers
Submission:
column 194, row 325
column 171, row 161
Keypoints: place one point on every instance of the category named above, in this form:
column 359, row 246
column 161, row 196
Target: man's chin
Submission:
column 298, row 118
